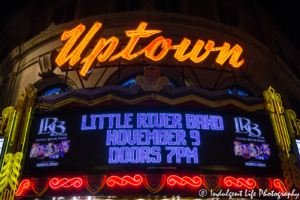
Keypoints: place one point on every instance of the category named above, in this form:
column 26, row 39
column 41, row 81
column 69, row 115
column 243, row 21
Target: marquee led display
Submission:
column 150, row 138
column 155, row 51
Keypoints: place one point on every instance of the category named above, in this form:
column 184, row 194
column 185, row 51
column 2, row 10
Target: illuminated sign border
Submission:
column 170, row 182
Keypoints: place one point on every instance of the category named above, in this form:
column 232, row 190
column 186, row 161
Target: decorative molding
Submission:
column 264, row 183
column 6, row 121
column 124, row 181
column 290, row 171
column 23, row 108
column 195, row 181
column 247, row 84
column 40, row 185
column 9, row 174
column 16, row 130
column 94, row 184
column 154, row 183
column 146, row 97
column 46, row 64
column 211, row 182
column 273, row 104
column 249, row 183
column 151, row 81
column 126, row 72
column 293, row 123
column 26, row 99
column 50, row 80
column 24, row 185
column 59, row 183
column 157, row 86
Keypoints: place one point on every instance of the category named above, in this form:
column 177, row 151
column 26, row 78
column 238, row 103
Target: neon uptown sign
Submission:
column 154, row 51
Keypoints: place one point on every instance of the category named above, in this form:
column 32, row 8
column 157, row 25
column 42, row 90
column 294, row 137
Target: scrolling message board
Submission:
column 151, row 138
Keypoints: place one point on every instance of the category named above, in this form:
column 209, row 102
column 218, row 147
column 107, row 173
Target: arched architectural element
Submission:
column 54, row 80
column 242, row 82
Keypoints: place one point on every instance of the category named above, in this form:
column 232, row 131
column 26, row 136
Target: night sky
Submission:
column 287, row 16
column 285, row 13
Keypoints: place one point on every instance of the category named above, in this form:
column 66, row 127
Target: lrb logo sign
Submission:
column 52, row 126
column 244, row 125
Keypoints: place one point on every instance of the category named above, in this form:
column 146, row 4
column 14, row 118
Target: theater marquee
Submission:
column 155, row 51
column 151, row 138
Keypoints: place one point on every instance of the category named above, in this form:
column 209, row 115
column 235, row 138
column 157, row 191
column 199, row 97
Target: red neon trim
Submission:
column 24, row 185
column 56, row 183
column 136, row 180
column 240, row 182
column 194, row 182
column 280, row 186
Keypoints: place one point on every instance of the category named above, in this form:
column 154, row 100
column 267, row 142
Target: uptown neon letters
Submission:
column 159, row 44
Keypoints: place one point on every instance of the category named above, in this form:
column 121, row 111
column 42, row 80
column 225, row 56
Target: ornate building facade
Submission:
column 33, row 41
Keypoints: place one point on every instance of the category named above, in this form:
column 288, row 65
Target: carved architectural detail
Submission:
column 26, row 99
column 290, row 170
column 46, row 64
column 52, row 25
column 6, row 121
column 273, row 104
column 16, row 130
column 24, row 104
column 152, row 81
column 54, row 79
column 247, row 84
column 126, row 72
column 293, row 123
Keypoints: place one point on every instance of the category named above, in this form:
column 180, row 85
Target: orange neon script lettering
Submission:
column 74, row 34
column 197, row 48
column 233, row 53
column 102, row 43
column 135, row 35
column 182, row 47
column 150, row 50
column 104, row 49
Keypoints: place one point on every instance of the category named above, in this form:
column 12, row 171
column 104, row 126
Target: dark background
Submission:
column 284, row 13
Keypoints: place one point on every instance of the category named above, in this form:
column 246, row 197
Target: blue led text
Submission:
column 146, row 137
column 207, row 122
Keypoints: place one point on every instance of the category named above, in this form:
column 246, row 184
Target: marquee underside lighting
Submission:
column 136, row 183
column 195, row 181
column 24, row 185
column 57, row 183
column 155, row 51
column 278, row 184
column 248, row 183
column 125, row 180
